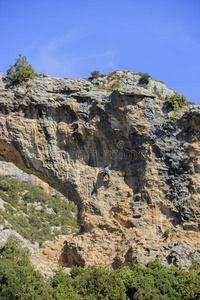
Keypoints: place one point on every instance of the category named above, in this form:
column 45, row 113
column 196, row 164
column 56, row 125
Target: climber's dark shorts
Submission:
column 106, row 174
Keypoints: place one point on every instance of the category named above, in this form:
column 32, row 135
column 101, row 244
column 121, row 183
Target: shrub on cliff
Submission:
column 166, row 233
column 176, row 101
column 4, row 185
column 144, row 79
column 95, row 74
column 21, row 71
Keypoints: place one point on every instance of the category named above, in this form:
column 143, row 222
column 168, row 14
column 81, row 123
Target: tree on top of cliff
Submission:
column 95, row 74
column 21, row 71
column 144, row 79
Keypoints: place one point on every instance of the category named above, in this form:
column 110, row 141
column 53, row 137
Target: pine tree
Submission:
column 21, row 71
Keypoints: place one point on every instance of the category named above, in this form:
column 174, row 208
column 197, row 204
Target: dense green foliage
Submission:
column 153, row 282
column 90, row 283
column 159, row 282
column 18, row 280
column 21, row 71
column 34, row 214
column 144, row 80
column 95, row 74
column 177, row 101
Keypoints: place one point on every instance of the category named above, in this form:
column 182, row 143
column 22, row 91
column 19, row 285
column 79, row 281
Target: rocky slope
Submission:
column 64, row 131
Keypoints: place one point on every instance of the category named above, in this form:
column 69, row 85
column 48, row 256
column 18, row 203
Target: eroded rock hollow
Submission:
column 65, row 131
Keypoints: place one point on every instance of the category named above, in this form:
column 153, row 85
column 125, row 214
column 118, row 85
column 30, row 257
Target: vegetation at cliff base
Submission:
column 19, row 280
column 32, row 213
column 155, row 282
column 21, row 71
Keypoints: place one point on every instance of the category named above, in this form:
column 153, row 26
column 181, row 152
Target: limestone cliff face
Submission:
column 64, row 131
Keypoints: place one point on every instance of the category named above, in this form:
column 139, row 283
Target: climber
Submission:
column 106, row 172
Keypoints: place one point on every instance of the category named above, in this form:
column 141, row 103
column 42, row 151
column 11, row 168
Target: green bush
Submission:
column 195, row 266
column 159, row 282
column 95, row 74
column 144, row 79
column 9, row 208
column 97, row 283
column 4, row 185
column 21, row 71
column 176, row 102
column 166, row 233
column 18, row 279
column 29, row 197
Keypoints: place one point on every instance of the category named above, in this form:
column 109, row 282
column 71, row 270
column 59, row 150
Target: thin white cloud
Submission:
column 107, row 58
column 60, row 41
column 57, row 57
column 54, row 56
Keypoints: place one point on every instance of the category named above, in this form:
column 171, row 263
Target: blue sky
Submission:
column 65, row 38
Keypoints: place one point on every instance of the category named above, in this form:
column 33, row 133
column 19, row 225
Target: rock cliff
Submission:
column 64, row 131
